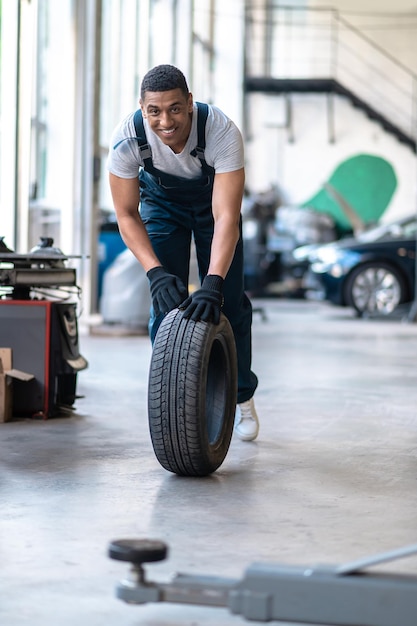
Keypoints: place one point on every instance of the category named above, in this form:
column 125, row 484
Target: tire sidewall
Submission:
column 220, row 334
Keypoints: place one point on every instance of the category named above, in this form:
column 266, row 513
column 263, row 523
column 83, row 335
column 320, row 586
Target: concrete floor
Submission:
column 331, row 478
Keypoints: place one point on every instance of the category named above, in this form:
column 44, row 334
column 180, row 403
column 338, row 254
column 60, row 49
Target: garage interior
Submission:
column 332, row 478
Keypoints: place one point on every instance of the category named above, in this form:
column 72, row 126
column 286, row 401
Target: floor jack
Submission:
column 345, row 595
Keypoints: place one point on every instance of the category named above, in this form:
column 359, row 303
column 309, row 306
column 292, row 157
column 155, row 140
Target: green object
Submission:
column 366, row 182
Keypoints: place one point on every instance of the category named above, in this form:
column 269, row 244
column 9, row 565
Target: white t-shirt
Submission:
column 223, row 151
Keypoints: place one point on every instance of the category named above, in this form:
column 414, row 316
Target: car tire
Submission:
column 192, row 394
column 375, row 288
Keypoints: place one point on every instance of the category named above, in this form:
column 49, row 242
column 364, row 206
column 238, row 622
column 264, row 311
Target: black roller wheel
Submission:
column 138, row 551
column 192, row 394
column 375, row 288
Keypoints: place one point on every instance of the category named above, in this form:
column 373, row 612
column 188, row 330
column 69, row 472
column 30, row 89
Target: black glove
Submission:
column 205, row 303
column 167, row 290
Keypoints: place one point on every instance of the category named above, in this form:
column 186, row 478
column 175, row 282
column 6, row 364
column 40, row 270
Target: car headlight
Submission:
column 329, row 260
column 327, row 255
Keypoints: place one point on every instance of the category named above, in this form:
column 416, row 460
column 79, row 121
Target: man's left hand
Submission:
column 205, row 304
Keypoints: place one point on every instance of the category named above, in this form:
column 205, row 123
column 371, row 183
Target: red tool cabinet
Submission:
column 43, row 335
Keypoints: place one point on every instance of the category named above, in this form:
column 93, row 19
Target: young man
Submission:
column 186, row 193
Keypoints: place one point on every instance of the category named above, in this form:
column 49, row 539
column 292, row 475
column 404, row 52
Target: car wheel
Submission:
column 192, row 394
column 375, row 288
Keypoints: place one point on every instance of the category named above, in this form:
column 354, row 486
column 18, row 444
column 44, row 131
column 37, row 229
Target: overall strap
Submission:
column 144, row 147
column 201, row 136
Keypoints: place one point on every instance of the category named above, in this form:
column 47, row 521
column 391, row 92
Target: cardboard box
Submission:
column 7, row 374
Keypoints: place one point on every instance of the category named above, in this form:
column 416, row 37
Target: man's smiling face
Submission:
column 169, row 116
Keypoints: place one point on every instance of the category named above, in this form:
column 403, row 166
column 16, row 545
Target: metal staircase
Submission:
column 291, row 50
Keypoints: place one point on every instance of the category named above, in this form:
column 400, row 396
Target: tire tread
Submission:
column 176, row 394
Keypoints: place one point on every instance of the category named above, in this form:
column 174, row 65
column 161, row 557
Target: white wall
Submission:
column 301, row 167
column 228, row 70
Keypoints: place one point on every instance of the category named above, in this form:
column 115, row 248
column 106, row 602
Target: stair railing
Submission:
column 308, row 43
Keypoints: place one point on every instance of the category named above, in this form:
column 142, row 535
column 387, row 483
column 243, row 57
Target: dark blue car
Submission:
column 373, row 272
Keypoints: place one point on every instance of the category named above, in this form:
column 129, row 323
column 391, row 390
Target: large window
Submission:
column 44, row 208
column 8, row 118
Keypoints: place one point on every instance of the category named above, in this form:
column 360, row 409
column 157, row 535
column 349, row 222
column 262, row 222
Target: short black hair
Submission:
column 164, row 78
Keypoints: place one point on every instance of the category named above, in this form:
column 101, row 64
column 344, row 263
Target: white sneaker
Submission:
column 246, row 421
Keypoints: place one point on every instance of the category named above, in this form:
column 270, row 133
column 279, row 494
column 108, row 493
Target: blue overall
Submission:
column 173, row 209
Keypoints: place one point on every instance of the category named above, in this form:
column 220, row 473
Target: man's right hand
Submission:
column 167, row 290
